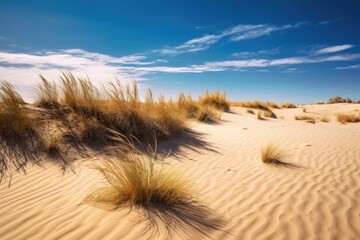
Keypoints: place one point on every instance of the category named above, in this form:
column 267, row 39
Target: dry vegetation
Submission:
column 348, row 118
column 324, row 118
column 250, row 111
column 264, row 105
column 89, row 115
column 53, row 144
column 305, row 118
column 163, row 195
column 15, row 119
column 273, row 154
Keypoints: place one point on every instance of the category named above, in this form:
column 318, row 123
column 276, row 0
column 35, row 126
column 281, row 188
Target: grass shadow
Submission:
column 189, row 139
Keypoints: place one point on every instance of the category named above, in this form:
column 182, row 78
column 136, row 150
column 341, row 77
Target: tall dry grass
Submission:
column 215, row 99
column 15, row 119
column 264, row 105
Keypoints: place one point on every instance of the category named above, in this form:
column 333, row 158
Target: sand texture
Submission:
column 317, row 196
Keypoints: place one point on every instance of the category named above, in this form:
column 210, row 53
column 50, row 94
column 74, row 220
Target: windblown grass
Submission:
column 272, row 154
column 162, row 194
column 348, row 118
column 15, row 119
column 215, row 99
column 207, row 113
column 47, row 94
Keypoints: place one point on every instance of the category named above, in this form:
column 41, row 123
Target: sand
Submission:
column 318, row 198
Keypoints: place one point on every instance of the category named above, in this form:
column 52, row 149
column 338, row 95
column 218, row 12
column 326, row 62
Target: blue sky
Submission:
column 301, row 51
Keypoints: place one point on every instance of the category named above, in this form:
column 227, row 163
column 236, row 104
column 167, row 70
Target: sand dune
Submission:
column 316, row 198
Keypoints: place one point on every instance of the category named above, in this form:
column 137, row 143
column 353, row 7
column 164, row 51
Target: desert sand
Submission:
column 317, row 197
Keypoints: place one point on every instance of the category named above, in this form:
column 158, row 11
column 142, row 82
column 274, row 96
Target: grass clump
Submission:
column 324, row 118
column 215, row 99
column 272, row 154
column 348, row 118
column 47, row 94
column 15, row 119
column 137, row 180
column 287, row 105
column 207, row 113
column 304, row 118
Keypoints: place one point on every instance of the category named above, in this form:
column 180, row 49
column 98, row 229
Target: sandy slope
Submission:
column 319, row 199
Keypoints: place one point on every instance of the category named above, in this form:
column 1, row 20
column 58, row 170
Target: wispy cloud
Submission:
column 333, row 49
column 356, row 66
column 237, row 33
column 2, row 38
column 255, row 53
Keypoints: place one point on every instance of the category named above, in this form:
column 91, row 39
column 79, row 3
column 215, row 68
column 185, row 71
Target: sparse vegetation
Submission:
column 15, row 119
column 287, row 105
column 338, row 99
column 348, row 118
column 305, row 118
column 136, row 180
column 272, row 154
column 324, row 118
column 215, row 99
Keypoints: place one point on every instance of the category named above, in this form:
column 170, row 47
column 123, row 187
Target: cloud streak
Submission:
column 356, row 66
column 238, row 33
column 334, row 49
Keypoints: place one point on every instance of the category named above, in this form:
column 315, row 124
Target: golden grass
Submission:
column 136, row 179
column 287, row 105
column 206, row 113
column 269, row 114
column 348, row 118
column 259, row 115
column 304, row 118
column 215, row 99
column 324, row 118
column 47, row 94
column 257, row 104
column 15, row 119
column 272, row 154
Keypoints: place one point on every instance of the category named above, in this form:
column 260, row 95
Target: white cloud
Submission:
column 237, row 33
column 334, row 49
column 357, row 66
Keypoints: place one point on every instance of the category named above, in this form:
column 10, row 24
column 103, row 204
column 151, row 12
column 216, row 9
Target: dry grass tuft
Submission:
column 15, row 119
column 259, row 115
column 162, row 194
column 324, row 118
column 215, row 99
column 272, row 154
column 207, row 113
column 348, row 118
column 47, row 94
column 269, row 114
column 304, row 118
column 287, row 105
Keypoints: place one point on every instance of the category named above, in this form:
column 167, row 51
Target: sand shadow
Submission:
column 288, row 165
column 188, row 140
column 164, row 221
column 16, row 152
